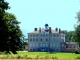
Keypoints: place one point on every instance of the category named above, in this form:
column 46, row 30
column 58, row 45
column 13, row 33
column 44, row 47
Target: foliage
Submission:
column 10, row 32
column 77, row 51
column 76, row 35
column 78, row 57
column 68, row 35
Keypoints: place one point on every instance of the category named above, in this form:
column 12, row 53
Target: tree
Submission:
column 68, row 35
column 76, row 35
column 3, row 25
column 15, row 34
column 10, row 32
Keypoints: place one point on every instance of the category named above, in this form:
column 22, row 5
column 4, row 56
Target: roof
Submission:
column 71, row 42
column 43, row 30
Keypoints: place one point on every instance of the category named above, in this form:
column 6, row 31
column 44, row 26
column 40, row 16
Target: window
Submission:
column 57, row 39
column 46, row 39
column 57, row 45
column 46, row 45
column 30, row 49
column 66, row 46
column 36, row 45
column 30, row 45
column 33, row 49
column 41, row 39
column 50, row 45
column 33, row 35
column 40, row 45
column 36, row 39
column 54, row 35
column 43, row 35
column 53, row 49
column 70, row 46
column 33, row 45
column 56, row 49
column 53, row 45
column 33, row 39
column 30, row 39
column 54, row 39
column 51, row 35
column 63, row 45
column 36, row 35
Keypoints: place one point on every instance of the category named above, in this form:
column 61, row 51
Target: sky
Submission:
column 36, row 13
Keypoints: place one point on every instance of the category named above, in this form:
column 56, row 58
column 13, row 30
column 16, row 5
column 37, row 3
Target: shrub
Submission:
column 47, row 56
column 18, row 57
column 25, row 56
column 78, row 57
column 53, row 57
column 77, row 51
column 29, row 57
column 37, row 56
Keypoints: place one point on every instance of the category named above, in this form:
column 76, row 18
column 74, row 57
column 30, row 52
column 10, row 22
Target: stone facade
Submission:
column 49, row 40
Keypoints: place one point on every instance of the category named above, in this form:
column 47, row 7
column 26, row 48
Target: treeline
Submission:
column 68, row 35
column 10, row 33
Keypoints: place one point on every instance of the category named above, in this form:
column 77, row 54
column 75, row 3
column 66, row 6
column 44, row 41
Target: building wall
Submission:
column 52, row 41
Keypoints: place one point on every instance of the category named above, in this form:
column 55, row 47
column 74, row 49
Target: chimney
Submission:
column 35, row 29
column 59, row 30
column 39, row 30
column 56, row 29
column 49, row 29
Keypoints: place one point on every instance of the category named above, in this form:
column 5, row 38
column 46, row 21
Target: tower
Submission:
column 46, row 27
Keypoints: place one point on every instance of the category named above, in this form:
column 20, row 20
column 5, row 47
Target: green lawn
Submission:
column 30, row 55
column 55, row 54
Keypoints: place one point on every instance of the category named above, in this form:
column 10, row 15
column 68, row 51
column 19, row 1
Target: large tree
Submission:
column 76, row 35
column 14, row 32
column 3, row 25
column 10, row 32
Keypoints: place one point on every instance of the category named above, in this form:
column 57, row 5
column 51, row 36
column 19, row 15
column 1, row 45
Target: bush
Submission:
column 18, row 57
column 53, row 57
column 37, row 56
column 78, row 57
column 47, row 56
column 77, row 51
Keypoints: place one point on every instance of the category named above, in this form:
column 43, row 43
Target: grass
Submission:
column 56, row 54
column 40, row 55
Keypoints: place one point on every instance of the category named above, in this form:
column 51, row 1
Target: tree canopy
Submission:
column 10, row 32
column 76, row 35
